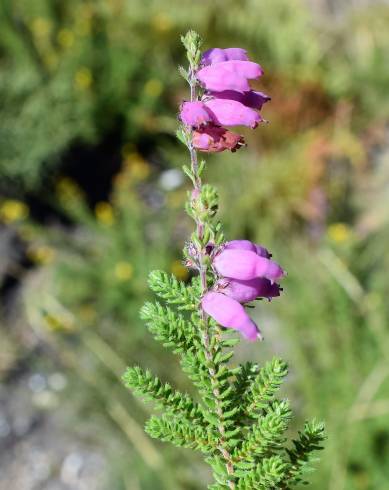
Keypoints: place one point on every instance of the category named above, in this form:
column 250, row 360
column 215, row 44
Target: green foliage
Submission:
column 173, row 291
column 264, row 385
column 266, row 435
column 310, row 440
column 68, row 75
column 180, row 433
column 268, row 474
column 144, row 384
column 169, row 327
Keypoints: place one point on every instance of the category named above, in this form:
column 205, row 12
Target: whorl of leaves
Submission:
column 151, row 388
column 173, row 291
column 168, row 327
column 302, row 456
column 180, row 433
column 264, row 386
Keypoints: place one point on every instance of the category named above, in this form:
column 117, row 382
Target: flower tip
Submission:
column 257, row 335
column 254, row 336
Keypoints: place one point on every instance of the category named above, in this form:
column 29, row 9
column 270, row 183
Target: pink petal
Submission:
column 247, row 69
column 233, row 113
column 247, row 245
column 202, row 141
column 262, row 251
column 252, row 99
column 229, row 75
column 217, row 78
column 195, row 113
column 229, row 313
column 217, row 55
column 245, row 264
column 246, row 291
column 240, row 245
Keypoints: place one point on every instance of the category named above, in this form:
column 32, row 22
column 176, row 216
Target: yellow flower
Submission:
column 162, row 22
column 41, row 27
column 137, row 166
column 67, row 189
column 179, row 270
column 339, row 232
column 83, row 78
column 58, row 322
column 153, row 87
column 65, row 38
column 124, row 271
column 12, row 210
column 105, row 213
column 42, row 254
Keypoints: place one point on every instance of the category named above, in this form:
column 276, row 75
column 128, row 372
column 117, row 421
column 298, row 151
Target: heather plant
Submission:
column 237, row 422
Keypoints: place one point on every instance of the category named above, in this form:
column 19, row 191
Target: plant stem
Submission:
column 201, row 254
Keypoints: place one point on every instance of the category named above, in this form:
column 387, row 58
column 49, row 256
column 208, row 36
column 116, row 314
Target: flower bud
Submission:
column 232, row 113
column 246, row 291
column 252, row 99
column 240, row 245
column 217, row 55
column 195, row 114
column 231, row 314
column 245, row 264
column 214, row 139
column 229, row 75
column 262, row 251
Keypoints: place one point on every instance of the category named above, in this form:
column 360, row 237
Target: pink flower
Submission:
column 240, row 245
column 231, row 314
column 262, row 251
column 247, row 245
column 252, row 99
column 232, row 113
column 229, row 75
column 247, row 274
column 195, row 114
column 228, row 100
column 216, row 55
column 245, row 265
column 246, row 291
column 212, row 139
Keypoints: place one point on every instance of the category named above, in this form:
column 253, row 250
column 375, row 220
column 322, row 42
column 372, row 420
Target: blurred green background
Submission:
column 91, row 200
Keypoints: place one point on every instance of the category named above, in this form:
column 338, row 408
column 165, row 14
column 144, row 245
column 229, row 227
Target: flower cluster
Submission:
column 228, row 100
column 246, row 273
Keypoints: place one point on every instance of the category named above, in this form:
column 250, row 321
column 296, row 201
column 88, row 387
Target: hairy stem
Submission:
column 204, row 317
